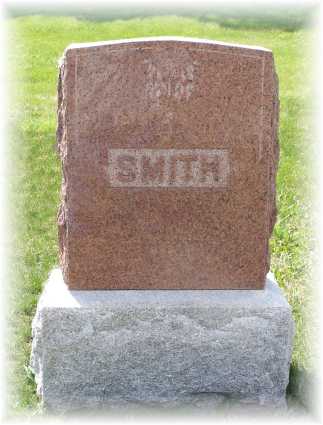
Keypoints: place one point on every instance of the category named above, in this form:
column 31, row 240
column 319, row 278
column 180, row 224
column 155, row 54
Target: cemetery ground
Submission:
column 36, row 44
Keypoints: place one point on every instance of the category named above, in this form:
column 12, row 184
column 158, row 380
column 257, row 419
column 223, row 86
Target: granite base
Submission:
column 98, row 349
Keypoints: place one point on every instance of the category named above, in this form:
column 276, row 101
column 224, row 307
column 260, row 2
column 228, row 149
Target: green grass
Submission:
column 36, row 43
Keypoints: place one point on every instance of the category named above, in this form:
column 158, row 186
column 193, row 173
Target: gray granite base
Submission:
column 160, row 348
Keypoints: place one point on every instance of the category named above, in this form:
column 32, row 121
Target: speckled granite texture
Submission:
column 155, row 347
column 169, row 154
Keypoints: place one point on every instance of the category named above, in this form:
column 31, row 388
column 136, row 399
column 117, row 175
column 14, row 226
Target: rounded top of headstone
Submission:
column 165, row 40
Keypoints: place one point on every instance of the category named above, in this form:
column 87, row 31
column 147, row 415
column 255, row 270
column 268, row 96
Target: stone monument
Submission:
column 169, row 156
column 169, row 153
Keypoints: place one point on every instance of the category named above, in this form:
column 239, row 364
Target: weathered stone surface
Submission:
column 169, row 153
column 103, row 348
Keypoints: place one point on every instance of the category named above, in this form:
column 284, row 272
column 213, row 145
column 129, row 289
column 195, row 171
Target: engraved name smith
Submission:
column 168, row 168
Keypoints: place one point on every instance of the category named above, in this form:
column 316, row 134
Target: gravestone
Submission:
column 169, row 153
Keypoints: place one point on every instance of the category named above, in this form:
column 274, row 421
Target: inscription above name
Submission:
column 170, row 80
column 167, row 168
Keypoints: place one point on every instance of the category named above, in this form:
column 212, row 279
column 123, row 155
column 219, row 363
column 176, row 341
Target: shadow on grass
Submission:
column 303, row 388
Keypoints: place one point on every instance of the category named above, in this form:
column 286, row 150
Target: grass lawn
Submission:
column 34, row 171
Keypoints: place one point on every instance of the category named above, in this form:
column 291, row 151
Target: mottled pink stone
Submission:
column 169, row 155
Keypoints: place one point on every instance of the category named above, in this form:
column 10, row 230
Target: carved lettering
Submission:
column 166, row 168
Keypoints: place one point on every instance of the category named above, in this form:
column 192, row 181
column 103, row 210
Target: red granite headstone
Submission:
column 169, row 154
